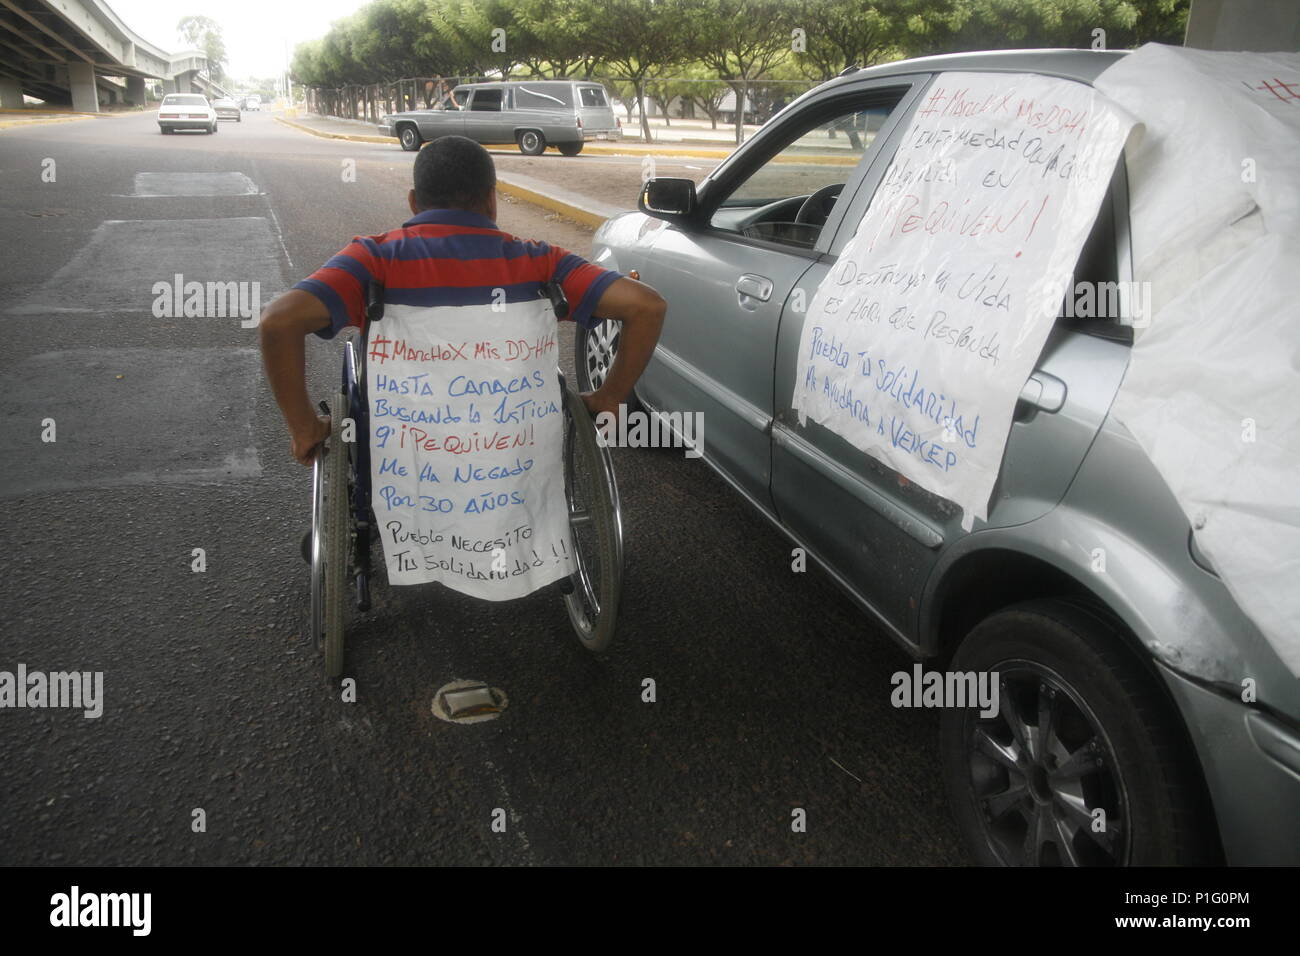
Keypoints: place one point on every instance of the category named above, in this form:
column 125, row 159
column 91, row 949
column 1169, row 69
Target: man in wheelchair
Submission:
column 487, row 476
column 449, row 254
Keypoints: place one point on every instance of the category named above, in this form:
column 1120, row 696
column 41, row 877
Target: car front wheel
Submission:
column 594, row 353
column 409, row 137
column 1083, row 763
column 532, row 143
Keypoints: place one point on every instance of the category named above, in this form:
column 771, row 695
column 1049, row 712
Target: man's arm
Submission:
column 640, row 310
column 285, row 325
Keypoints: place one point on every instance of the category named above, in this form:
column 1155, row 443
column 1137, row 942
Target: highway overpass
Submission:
column 79, row 53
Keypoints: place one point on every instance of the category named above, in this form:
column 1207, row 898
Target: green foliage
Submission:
column 204, row 33
column 742, row 42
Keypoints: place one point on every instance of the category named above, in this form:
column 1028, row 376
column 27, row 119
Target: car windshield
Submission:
column 185, row 101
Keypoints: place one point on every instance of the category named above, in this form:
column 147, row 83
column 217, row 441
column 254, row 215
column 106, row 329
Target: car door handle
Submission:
column 755, row 287
column 1042, row 393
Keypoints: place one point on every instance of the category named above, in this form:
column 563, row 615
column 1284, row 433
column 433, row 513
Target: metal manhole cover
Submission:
column 468, row 702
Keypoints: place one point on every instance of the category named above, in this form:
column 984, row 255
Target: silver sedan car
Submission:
column 1121, row 694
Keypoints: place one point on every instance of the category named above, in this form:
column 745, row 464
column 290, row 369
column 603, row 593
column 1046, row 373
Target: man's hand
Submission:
column 597, row 403
column 640, row 310
column 306, row 445
column 286, row 322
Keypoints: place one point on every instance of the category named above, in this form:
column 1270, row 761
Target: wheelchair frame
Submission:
column 342, row 534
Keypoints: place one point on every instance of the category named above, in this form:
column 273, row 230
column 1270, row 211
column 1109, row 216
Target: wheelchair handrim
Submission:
column 317, row 551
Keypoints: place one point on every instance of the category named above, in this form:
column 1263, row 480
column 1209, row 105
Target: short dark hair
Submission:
column 453, row 172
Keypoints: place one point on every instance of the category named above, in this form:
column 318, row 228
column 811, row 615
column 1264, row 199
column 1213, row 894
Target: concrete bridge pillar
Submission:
column 11, row 94
column 135, row 90
column 81, row 77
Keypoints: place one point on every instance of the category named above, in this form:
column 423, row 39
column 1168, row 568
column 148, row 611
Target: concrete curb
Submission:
column 349, row 137
column 589, row 212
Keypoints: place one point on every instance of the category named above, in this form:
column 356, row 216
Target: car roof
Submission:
column 1082, row 65
column 489, row 84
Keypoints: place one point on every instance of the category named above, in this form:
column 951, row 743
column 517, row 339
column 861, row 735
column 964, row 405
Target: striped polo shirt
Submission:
column 451, row 257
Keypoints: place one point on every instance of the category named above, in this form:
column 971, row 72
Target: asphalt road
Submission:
column 772, row 690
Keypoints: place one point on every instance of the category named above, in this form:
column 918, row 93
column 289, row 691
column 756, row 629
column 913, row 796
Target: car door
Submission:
column 879, row 533
column 484, row 118
column 728, row 276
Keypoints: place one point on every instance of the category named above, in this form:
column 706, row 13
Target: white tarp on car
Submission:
column 1213, row 388
column 918, row 342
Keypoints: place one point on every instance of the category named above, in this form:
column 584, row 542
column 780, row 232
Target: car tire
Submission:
column 1113, row 744
column 593, row 354
column 531, row 142
column 409, row 137
column 166, row 131
column 570, row 149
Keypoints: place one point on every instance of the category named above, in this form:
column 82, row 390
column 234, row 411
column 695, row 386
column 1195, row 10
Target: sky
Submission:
column 255, row 31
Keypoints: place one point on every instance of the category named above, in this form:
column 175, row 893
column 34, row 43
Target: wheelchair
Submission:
column 343, row 533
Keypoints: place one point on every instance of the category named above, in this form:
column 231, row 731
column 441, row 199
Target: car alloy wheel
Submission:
column 1042, row 772
column 598, row 357
column 1083, row 761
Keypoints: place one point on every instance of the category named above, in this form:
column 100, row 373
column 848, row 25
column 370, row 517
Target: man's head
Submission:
column 453, row 172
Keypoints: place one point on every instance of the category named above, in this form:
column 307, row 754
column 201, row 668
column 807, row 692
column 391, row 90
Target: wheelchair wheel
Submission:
column 338, row 534
column 314, row 550
column 596, row 524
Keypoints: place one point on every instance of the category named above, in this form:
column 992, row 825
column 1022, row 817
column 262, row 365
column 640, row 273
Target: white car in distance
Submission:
column 186, row 111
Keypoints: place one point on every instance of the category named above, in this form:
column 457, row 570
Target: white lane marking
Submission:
column 159, row 185
column 118, row 267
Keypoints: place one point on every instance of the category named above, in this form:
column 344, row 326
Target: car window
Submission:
column 592, row 96
column 460, row 97
column 820, row 154
column 184, row 101
column 1097, row 301
column 543, row 97
column 486, row 100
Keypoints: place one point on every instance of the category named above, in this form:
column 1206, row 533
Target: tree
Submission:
column 740, row 40
column 204, row 33
column 1011, row 24
column 839, row 34
column 637, row 38
column 555, row 35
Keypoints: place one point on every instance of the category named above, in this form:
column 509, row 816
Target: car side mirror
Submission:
column 671, row 199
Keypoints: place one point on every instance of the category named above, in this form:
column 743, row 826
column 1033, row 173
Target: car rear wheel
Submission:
column 166, row 130
column 532, row 143
column 1083, row 764
column 409, row 137
column 570, row 149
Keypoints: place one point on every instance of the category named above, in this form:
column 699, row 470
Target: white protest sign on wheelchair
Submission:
column 466, row 448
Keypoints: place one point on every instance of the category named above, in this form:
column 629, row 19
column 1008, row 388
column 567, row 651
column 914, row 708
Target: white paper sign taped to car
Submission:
column 1212, row 391
column 466, row 448
column 920, row 338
